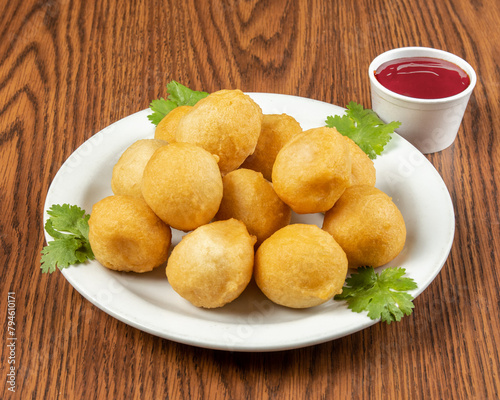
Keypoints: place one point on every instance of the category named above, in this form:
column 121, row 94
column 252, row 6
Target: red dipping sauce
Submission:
column 423, row 77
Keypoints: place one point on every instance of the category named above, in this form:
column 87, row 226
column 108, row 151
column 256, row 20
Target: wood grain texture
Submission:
column 69, row 68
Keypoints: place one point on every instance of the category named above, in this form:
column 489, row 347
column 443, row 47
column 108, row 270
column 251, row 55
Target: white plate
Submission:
column 251, row 322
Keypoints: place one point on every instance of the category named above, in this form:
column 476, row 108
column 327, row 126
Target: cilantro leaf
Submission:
column 69, row 218
column 84, row 252
column 69, row 227
column 183, row 96
column 49, row 227
column 60, row 253
column 364, row 127
column 178, row 95
column 160, row 108
column 381, row 295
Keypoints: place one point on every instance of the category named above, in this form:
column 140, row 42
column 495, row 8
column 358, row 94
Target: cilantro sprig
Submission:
column 69, row 227
column 381, row 295
column 178, row 95
column 364, row 127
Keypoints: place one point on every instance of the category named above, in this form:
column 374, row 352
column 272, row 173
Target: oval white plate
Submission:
column 250, row 323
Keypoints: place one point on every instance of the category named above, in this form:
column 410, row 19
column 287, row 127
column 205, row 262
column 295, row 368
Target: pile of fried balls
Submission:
column 230, row 176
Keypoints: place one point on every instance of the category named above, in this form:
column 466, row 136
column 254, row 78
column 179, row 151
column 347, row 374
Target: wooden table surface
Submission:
column 69, row 68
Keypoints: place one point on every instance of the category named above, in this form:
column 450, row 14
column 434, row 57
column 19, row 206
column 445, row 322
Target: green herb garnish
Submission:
column 71, row 247
column 364, row 127
column 178, row 95
column 382, row 295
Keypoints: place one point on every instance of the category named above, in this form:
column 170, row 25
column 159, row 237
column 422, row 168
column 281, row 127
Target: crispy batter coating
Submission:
column 250, row 198
column 312, row 170
column 226, row 123
column 362, row 168
column 277, row 129
column 212, row 265
column 126, row 235
column 165, row 130
column 300, row 266
column 127, row 172
column 367, row 225
column 183, row 185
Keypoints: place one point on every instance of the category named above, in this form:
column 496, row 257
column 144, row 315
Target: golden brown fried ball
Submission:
column 126, row 235
column 300, row 266
column 362, row 168
column 165, row 130
column 312, row 170
column 183, row 185
column 277, row 129
column 127, row 172
column 367, row 225
column 250, row 198
column 212, row 265
column 226, row 123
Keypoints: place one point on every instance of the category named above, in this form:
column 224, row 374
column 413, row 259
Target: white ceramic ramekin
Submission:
column 431, row 125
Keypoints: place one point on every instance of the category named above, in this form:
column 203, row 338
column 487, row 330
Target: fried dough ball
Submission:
column 183, row 185
column 362, row 168
column 165, row 130
column 277, row 129
column 300, row 266
column 226, row 123
column 312, row 170
column 127, row 172
column 212, row 265
column 250, row 198
column 367, row 225
column 126, row 235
